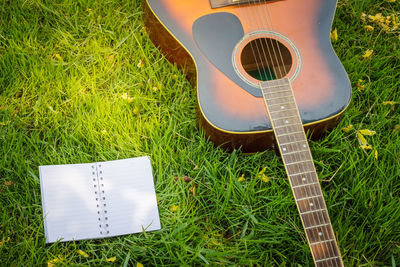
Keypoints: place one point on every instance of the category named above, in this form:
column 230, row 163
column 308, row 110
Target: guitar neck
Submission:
column 292, row 141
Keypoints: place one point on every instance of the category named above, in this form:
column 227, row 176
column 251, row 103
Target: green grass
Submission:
column 64, row 67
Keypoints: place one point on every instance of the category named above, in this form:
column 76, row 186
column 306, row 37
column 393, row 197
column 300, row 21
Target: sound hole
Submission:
column 266, row 59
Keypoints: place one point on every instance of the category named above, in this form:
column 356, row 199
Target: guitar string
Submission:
column 270, row 39
column 317, row 220
column 277, row 61
column 269, row 18
column 252, row 47
column 259, row 26
column 316, row 216
column 281, row 75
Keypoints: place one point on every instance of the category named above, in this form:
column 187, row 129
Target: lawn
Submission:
column 81, row 82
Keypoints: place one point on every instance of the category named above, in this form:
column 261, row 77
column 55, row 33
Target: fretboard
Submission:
column 290, row 136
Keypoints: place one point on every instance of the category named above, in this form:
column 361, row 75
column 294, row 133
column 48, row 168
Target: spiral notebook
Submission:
column 98, row 200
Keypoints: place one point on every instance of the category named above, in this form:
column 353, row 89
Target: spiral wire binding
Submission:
column 98, row 184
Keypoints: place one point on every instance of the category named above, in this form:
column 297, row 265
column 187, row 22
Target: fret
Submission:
column 300, row 168
column 283, row 114
column 279, row 100
column 330, row 262
column 301, row 155
column 293, row 104
column 287, row 124
column 314, row 226
column 275, row 86
column 305, row 198
column 294, row 142
column 309, row 191
column 290, row 133
column 287, row 121
column 292, row 138
column 309, row 218
column 283, row 111
column 323, row 241
column 271, row 84
column 302, row 185
column 278, row 94
column 325, row 250
column 298, row 162
column 327, row 259
column 294, row 150
column 281, row 131
column 300, row 173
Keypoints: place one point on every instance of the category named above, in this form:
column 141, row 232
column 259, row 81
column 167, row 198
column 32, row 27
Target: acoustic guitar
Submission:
column 265, row 73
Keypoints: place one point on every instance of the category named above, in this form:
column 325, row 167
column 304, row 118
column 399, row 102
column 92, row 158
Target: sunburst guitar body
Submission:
column 265, row 73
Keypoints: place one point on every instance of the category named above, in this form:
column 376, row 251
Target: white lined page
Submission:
column 69, row 202
column 71, row 195
column 130, row 196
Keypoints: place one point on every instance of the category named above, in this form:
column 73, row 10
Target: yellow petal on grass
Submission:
column 369, row 28
column 366, row 147
column 140, row 64
column 82, row 253
column 367, row 132
column 376, row 154
column 173, row 208
column 334, row 35
column 348, row 128
column 361, row 139
column 135, row 110
column 367, row 54
column 3, row 241
column 241, row 178
column 58, row 57
column 392, row 103
column 193, row 190
column 360, row 86
column 52, row 263
column 138, row 264
column 112, row 259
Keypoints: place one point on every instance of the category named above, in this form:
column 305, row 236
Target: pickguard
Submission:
column 216, row 35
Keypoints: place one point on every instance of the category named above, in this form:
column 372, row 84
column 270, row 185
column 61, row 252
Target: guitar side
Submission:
column 231, row 116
